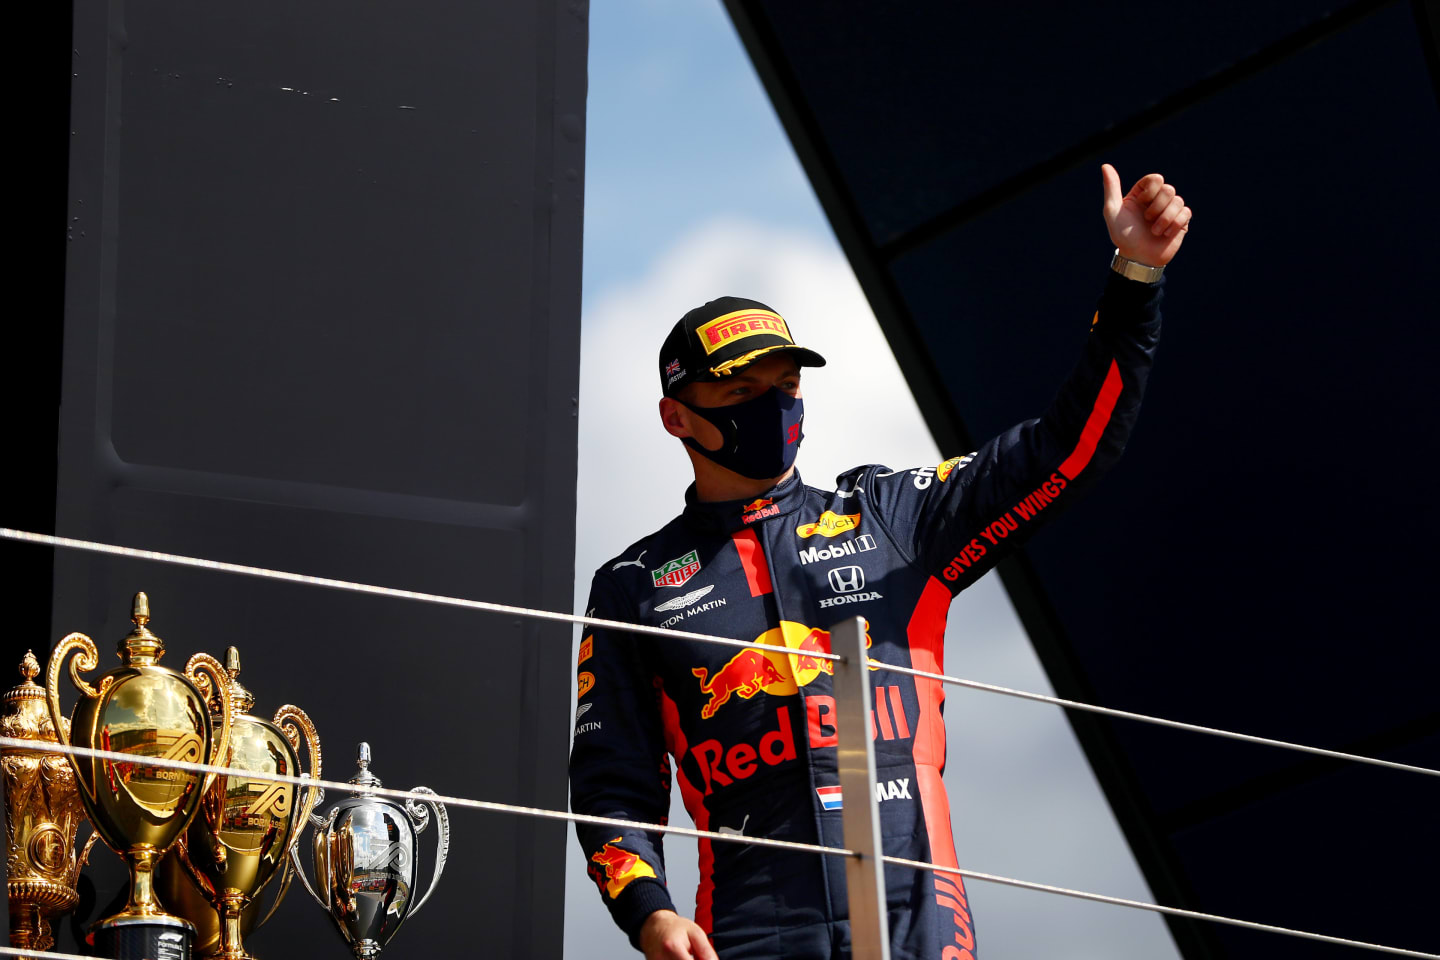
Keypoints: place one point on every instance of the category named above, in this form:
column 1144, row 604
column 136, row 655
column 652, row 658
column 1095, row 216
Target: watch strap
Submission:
column 1134, row 269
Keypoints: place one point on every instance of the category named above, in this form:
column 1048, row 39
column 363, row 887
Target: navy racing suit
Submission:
column 751, row 735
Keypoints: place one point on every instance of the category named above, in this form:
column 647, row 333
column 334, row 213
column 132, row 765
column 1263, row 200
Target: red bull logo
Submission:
column 781, row 673
column 758, row 510
column 615, row 867
column 721, row 764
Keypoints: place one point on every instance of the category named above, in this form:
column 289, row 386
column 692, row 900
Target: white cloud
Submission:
column 1023, row 799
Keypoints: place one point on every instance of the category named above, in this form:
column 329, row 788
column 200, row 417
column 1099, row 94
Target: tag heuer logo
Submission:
column 675, row 572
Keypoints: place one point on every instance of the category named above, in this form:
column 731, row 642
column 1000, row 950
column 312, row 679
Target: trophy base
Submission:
column 143, row 938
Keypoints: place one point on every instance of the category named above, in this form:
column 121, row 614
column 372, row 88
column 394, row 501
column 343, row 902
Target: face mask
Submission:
column 760, row 436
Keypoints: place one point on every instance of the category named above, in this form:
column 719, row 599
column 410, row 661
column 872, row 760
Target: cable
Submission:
column 41, row 954
column 540, row 812
column 218, row 565
column 1157, row 908
column 489, row 806
column 1158, row 721
column 268, row 574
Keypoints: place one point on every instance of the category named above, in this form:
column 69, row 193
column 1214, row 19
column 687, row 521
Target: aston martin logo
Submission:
column 680, row 603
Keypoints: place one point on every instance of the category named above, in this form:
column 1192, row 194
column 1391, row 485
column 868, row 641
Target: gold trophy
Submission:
column 214, row 876
column 145, row 710
column 42, row 812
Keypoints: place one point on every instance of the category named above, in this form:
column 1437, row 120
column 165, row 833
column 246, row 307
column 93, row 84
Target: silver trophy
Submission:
column 366, row 853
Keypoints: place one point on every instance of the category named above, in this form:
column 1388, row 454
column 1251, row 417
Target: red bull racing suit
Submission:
column 751, row 735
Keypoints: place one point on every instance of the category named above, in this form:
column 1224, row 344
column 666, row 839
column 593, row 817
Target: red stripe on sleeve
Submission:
column 695, row 805
column 752, row 561
column 926, row 635
column 1095, row 426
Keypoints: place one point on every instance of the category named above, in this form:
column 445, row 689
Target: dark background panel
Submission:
column 994, row 88
column 239, row 173
column 1277, row 454
column 321, row 314
column 1258, row 561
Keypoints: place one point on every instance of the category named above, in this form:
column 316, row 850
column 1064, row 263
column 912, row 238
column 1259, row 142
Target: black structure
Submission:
column 321, row 313
column 1262, row 559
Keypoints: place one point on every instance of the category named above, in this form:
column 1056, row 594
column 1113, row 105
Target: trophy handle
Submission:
column 211, row 679
column 295, row 724
column 88, row 659
column 84, row 857
column 299, row 868
column 421, row 816
column 286, row 874
column 181, row 850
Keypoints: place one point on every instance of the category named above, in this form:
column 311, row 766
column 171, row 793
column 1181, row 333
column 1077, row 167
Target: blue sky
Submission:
column 693, row 192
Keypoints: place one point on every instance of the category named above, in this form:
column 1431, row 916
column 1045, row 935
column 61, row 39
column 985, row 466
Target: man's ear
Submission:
column 675, row 417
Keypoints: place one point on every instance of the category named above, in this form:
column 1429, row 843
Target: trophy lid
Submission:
column 24, row 715
column 140, row 647
column 241, row 700
column 363, row 777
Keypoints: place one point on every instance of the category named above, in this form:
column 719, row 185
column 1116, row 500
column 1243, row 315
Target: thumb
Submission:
column 1113, row 197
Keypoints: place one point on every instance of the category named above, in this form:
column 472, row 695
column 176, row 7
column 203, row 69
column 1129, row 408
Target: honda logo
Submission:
column 847, row 579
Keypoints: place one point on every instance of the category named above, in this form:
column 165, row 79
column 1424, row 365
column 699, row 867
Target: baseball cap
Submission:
column 712, row 342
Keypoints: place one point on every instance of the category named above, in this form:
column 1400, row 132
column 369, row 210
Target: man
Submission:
column 757, row 555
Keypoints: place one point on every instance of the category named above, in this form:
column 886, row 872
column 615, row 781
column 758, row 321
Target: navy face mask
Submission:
column 761, row 436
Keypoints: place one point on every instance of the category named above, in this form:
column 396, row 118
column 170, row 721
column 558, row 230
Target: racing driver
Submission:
column 757, row 555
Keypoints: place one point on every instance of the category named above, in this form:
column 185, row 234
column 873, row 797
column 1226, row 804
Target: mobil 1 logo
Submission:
column 835, row 551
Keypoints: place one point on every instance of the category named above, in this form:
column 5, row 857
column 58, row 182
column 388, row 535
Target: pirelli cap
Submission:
column 712, row 342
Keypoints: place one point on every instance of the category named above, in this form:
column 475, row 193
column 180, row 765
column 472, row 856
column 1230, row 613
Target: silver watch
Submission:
column 1134, row 269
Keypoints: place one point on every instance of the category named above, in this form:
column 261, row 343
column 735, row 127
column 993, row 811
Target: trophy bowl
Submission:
column 365, row 853
column 144, row 710
column 246, row 826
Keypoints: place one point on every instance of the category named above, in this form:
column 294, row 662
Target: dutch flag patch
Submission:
column 830, row 797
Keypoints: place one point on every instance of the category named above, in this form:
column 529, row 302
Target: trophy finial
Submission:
column 140, row 647
column 363, row 777
column 241, row 700
column 23, row 714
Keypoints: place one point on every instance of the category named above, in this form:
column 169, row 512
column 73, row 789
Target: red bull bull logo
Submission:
column 759, row 509
column 781, row 673
column 615, row 867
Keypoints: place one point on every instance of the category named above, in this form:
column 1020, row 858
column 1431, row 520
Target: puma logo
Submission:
column 632, row 563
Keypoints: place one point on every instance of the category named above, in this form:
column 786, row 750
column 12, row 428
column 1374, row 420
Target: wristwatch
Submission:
column 1134, row 269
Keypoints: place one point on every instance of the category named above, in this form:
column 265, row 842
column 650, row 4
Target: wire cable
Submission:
column 1157, row 908
column 1158, row 721
column 490, row 806
column 540, row 812
column 394, row 592
column 244, row 570
column 41, row 954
